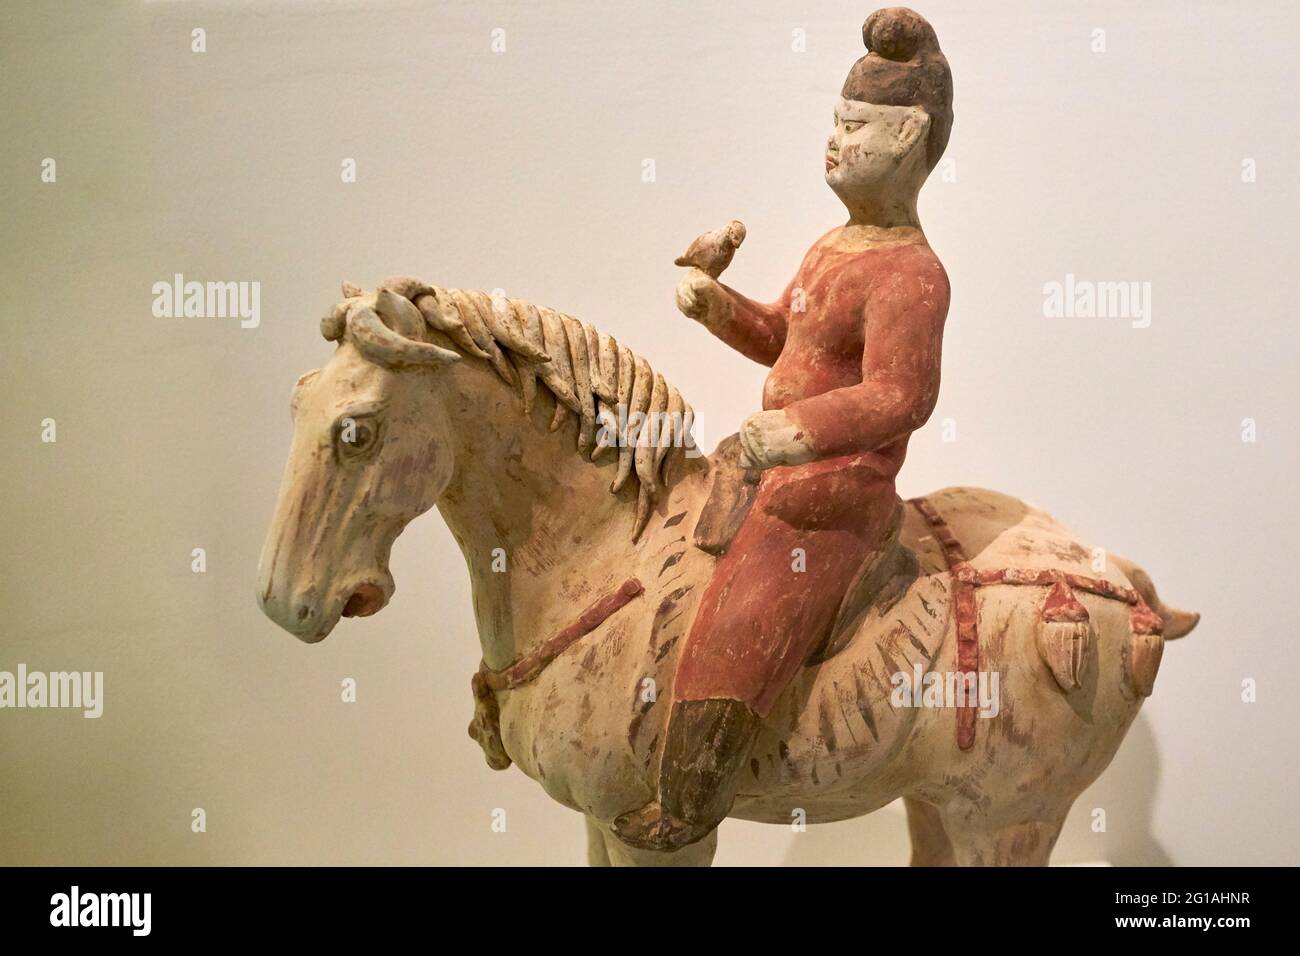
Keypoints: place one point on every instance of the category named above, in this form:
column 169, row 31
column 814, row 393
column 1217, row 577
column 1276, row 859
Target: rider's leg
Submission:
column 771, row 600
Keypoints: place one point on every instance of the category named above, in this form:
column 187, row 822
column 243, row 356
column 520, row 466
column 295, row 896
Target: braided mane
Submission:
column 621, row 404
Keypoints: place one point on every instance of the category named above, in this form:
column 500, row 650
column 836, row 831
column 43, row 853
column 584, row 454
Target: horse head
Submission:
column 370, row 452
column 388, row 428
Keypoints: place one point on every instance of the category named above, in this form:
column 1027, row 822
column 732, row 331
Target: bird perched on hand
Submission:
column 712, row 252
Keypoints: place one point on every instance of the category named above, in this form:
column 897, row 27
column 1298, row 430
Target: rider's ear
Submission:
column 912, row 133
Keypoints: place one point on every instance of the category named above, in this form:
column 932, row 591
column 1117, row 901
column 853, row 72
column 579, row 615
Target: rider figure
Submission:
column 853, row 344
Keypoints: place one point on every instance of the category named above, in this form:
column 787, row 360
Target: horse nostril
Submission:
column 303, row 612
column 367, row 599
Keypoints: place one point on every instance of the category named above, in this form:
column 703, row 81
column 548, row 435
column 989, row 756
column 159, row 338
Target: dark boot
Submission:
column 707, row 744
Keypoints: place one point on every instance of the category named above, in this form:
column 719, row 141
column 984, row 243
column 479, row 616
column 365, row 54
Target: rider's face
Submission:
column 869, row 143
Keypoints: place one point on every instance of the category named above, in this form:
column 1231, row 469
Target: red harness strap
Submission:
column 1060, row 604
column 529, row 666
column 965, row 611
column 486, row 725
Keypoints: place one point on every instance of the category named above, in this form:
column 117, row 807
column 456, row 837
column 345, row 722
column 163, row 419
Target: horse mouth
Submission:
column 366, row 600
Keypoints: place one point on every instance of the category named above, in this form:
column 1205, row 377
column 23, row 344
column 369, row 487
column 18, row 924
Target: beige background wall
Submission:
column 523, row 170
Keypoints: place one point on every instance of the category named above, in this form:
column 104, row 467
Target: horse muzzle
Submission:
column 310, row 614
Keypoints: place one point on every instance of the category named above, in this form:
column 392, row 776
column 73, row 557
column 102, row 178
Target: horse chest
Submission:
column 569, row 731
column 589, row 728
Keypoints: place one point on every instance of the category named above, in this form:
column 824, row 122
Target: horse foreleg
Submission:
column 930, row 843
column 597, row 852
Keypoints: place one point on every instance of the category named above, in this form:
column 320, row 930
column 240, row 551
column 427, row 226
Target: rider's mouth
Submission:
column 367, row 599
column 831, row 162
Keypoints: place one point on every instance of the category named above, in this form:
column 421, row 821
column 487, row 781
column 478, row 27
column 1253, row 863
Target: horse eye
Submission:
column 355, row 436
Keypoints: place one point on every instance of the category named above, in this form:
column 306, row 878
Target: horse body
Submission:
column 835, row 747
column 587, row 725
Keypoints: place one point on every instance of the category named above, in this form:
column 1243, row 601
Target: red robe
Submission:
column 857, row 370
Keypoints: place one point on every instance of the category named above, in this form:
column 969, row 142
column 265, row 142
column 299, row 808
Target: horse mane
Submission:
column 619, row 401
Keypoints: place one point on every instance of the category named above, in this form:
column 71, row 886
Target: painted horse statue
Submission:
column 564, row 467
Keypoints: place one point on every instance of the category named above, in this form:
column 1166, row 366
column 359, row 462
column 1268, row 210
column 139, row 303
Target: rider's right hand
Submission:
column 701, row 297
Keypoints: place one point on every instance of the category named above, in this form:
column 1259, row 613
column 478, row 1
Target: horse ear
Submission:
column 351, row 290
column 386, row 346
column 399, row 313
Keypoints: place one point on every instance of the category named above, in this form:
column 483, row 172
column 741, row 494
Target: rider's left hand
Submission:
column 770, row 438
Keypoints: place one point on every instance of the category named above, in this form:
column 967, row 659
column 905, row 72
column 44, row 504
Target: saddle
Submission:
column 730, row 497
column 881, row 581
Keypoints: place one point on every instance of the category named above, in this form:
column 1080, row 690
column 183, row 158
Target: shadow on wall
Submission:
column 1126, row 791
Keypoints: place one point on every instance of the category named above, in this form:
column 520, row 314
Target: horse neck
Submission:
column 536, row 522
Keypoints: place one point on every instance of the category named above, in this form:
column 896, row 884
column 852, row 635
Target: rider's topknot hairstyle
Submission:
column 905, row 67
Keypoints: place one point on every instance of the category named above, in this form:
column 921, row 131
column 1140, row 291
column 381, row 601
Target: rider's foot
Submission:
column 654, row 828
column 705, row 746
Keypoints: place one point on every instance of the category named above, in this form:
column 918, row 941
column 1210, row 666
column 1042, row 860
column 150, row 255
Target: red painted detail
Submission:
column 1061, row 606
column 1042, row 577
column 1102, row 588
column 968, row 656
column 528, row 667
column 1143, row 620
column 1061, row 603
column 965, row 611
column 952, row 550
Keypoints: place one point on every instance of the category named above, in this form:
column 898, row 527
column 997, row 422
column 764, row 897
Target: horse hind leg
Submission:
column 930, row 843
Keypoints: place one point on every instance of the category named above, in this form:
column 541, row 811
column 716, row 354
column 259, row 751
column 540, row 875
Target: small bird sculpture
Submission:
column 712, row 252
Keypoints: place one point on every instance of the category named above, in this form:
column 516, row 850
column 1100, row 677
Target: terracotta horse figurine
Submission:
column 562, row 463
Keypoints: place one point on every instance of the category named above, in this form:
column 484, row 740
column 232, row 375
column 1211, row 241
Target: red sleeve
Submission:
column 903, row 319
column 756, row 330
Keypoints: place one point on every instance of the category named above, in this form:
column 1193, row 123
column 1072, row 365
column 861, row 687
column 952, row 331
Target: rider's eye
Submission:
column 354, row 437
column 852, row 127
